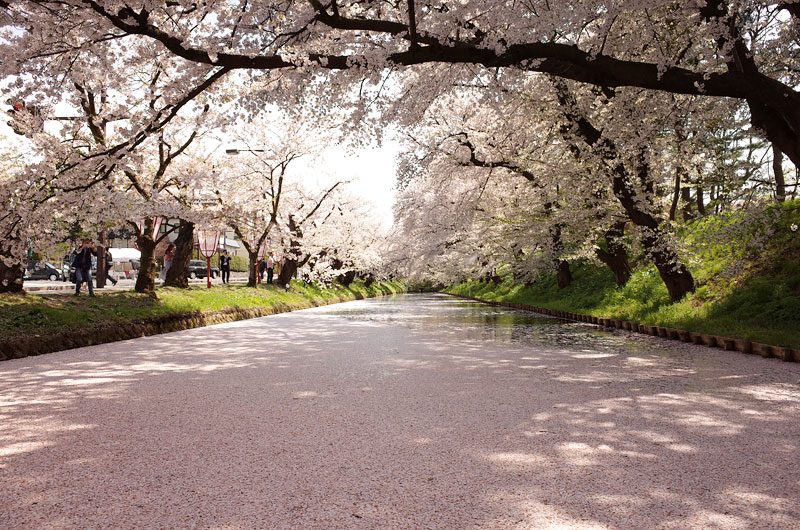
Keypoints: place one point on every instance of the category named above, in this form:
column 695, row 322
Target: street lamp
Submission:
column 237, row 151
column 207, row 242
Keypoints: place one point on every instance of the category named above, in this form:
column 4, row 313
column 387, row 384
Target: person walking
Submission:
column 83, row 266
column 169, row 256
column 109, row 260
column 270, row 267
column 225, row 266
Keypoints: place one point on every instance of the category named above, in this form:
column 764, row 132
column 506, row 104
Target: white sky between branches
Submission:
column 371, row 171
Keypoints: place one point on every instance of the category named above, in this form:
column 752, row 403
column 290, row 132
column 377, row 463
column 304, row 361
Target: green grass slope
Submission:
column 747, row 273
column 38, row 314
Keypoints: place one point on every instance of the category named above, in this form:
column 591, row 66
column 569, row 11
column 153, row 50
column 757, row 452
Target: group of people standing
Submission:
column 82, row 262
column 267, row 265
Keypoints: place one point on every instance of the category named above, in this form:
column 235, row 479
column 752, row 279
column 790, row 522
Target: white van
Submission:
column 125, row 262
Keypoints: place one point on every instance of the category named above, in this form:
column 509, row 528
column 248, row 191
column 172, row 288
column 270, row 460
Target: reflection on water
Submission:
column 568, row 352
column 475, row 321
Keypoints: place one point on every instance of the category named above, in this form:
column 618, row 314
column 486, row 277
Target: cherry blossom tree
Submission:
column 26, row 204
column 619, row 95
column 159, row 182
column 259, row 184
column 744, row 50
column 102, row 105
column 618, row 159
column 342, row 240
column 309, row 211
column 524, row 179
column 42, row 200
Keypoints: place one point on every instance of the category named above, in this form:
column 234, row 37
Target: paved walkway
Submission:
column 421, row 413
column 46, row 286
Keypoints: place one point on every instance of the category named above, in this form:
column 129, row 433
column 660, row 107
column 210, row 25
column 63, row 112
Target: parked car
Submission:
column 66, row 267
column 42, row 271
column 198, row 269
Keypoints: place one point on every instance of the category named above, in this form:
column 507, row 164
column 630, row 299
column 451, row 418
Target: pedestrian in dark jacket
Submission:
column 83, row 266
column 225, row 266
column 109, row 262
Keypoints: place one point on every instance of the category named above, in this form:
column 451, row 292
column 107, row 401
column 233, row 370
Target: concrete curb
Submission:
column 36, row 288
column 712, row 341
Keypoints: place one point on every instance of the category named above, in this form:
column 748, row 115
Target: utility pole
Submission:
column 102, row 266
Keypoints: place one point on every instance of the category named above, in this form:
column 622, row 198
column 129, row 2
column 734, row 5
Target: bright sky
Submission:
column 371, row 171
column 373, row 175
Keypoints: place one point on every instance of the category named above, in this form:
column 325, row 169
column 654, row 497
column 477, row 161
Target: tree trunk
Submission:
column 563, row 274
column 680, row 170
column 178, row 273
column 345, row 278
column 288, row 270
column 617, row 262
column 778, row 129
column 777, row 168
column 675, row 275
column 616, row 256
column 290, row 263
column 676, row 194
column 252, row 267
column 146, row 279
column 686, row 197
column 11, row 276
column 701, row 207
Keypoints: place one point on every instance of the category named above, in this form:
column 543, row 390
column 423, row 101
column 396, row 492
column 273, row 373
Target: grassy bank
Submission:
column 39, row 314
column 747, row 276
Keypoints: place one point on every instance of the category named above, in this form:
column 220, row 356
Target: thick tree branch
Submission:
column 464, row 141
column 319, row 203
column 548, row 57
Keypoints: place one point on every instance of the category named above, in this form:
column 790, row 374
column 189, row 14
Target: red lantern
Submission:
column 207, row 242
column 157, row 220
